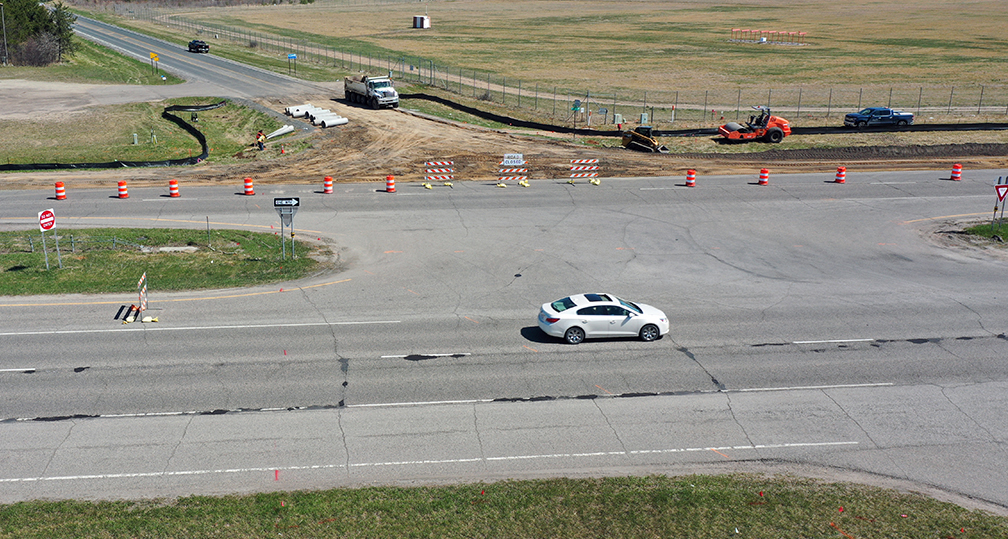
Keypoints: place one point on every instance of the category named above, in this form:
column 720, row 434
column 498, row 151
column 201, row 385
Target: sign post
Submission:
column 47, row 221
column 286, row 208
column 291, row 57
column 1001, row 190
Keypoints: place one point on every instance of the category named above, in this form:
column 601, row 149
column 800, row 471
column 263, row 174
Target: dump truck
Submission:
column 642, row 140
column 375, row 92
column 763, row 126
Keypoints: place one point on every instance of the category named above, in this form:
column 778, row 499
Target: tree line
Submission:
column 37, row 35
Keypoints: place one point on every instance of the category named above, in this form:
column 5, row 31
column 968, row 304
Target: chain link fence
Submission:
column 664, row 108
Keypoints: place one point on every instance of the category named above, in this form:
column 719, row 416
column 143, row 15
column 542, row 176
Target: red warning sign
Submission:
column 1002, row 190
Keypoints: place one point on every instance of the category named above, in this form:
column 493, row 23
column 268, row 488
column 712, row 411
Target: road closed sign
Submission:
column 46, row 220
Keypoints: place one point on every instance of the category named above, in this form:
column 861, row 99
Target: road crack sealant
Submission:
column 178, row 444
column 613, row 429
column 990, row 434
column 479, row 438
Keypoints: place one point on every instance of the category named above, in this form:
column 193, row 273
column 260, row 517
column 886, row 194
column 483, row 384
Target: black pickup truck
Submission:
column 197, row 45
column 873, row 116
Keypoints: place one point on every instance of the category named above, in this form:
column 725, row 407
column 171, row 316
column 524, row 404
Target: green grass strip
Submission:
column 111, row 260
column 695, row 507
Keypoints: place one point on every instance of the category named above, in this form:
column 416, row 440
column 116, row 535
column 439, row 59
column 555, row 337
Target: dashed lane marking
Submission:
column 461, row 460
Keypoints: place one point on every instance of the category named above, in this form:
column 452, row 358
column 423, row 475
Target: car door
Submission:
column 622, row 323
column 594, row 320
column 882, row 117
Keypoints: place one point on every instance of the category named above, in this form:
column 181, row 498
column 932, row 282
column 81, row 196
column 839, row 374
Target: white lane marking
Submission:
column 801, row 388
column 891, row 183
column 18, row 370
column 400, row 356
column 655, row 188
column 136, row 475
column 419, row 403
column 832, row 341
column 194, row 328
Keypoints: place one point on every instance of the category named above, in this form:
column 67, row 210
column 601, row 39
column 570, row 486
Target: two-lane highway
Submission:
column 780, row 296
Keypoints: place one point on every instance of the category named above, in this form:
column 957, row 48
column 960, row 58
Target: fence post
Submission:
column 860, row 92
column 889, row 104
column 738, row 104
column 829, row 104
column 951, row 92
column 769, row 93
column 920, row 94
column 798, row 113
column 981, row 99
column 705, row 107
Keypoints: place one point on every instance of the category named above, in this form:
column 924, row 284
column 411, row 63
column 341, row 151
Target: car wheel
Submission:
column 862, row 123
column 901, row 123
column 374, row 103
column 649, row 333
column 775, row 135
column 574, row 335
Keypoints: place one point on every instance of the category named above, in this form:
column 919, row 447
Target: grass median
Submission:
column 111, row 260
column 697, row 507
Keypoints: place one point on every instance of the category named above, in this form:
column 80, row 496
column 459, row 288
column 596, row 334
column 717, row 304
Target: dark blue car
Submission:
column 873, row 116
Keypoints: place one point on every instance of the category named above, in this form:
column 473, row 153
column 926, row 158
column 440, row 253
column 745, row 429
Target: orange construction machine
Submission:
column 759, row 127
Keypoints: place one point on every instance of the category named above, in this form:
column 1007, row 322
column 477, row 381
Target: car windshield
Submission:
column 381, row 84
column 561, row 305
column 631, row 305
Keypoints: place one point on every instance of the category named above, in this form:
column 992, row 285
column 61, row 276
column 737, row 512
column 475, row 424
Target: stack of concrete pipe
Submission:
column 318, row 116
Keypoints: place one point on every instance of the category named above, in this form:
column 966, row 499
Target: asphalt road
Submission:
column 218, row 76
column 813, row 328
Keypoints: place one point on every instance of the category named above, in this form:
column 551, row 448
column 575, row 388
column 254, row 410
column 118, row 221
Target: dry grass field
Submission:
column 680, row 46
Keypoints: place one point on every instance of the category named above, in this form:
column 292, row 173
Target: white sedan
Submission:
column 582, row 316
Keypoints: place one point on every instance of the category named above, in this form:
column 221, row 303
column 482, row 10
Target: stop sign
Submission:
column 46, row 220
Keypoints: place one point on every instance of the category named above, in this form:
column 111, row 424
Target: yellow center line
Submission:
column 942, row 217
column 202, row 298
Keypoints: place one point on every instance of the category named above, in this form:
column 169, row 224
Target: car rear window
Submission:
column 561, row 305
column 597, row 297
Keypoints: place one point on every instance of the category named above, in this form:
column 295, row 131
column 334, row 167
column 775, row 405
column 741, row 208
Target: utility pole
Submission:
column 3, row 17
